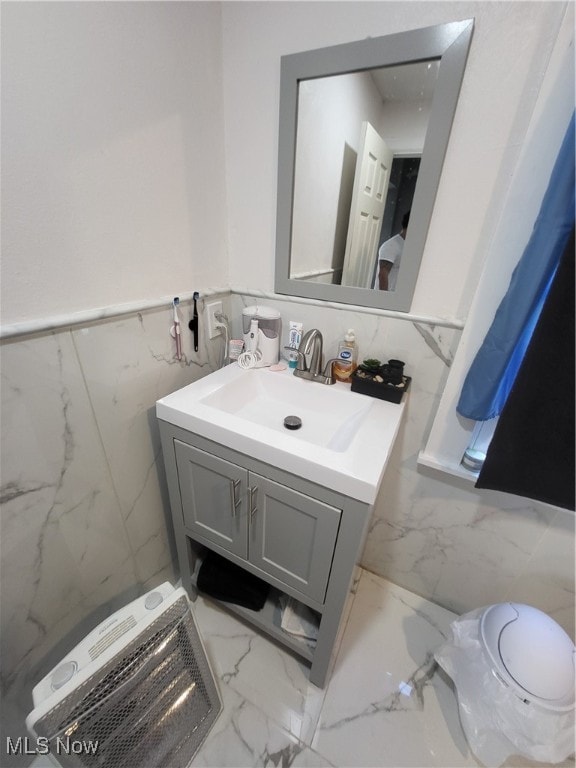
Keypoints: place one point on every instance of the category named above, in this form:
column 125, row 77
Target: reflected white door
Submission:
column 368, row 200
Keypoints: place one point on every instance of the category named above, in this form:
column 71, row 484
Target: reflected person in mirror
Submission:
column 389, row 257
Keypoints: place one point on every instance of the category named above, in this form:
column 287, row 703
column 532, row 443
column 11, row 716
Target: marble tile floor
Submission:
column 386, row 704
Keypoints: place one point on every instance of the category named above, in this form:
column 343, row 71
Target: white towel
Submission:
column 298, row 619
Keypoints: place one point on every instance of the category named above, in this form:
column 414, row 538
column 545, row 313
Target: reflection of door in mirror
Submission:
column 401, row 191
column 331, row 111
column 367, row 210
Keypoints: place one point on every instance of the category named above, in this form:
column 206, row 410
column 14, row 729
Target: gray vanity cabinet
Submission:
column 292, row 536
column 287, row 534
column 213, row 498
column 302, row 538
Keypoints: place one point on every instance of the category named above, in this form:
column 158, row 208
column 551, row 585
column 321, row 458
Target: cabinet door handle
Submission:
column 234, row 500
column 252, row 492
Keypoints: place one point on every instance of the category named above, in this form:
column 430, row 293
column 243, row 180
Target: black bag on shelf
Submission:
column 226, row 581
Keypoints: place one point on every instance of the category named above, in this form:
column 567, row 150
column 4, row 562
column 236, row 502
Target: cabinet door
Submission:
column 213, row 493
column 292, row 536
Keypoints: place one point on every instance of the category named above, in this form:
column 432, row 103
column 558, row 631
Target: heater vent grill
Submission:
column 150, row 705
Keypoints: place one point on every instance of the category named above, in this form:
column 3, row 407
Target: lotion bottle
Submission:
column 347, row 357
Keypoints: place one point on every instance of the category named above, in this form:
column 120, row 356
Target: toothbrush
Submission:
column 175, row 330
column 193, row 324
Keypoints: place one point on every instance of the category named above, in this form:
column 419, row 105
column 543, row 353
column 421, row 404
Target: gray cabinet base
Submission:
column 329, row 603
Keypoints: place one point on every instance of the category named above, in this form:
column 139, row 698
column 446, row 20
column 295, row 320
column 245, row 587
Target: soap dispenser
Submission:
column 346, row 358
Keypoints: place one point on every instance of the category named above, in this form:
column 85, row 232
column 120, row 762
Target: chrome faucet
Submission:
column 311, row 345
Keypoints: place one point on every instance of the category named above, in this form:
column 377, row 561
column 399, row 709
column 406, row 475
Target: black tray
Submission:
column 381, row 390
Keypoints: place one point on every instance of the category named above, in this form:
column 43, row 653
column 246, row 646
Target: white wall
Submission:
column 112, row 192
column 112, row 154
column 510, row 48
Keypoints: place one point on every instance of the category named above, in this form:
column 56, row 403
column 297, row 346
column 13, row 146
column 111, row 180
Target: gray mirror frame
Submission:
column 448, row 42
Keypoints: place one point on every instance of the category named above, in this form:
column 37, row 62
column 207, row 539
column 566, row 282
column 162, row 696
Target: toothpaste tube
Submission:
column 235, row 347
column 294, row 339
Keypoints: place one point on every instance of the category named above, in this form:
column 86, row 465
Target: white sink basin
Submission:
column 344, row 441
column 330, row 417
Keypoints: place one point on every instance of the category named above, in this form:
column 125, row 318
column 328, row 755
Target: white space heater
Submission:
column 137, row 691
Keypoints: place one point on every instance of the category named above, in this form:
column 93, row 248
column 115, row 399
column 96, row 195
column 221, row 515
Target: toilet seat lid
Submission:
column 531, row 652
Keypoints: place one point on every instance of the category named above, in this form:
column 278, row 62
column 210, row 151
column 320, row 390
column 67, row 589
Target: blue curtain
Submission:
column 532, row 452
column 492, row 373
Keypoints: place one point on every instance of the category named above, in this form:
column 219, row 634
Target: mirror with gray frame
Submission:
column 363, row 133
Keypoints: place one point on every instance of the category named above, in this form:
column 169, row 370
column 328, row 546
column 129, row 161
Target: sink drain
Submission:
column 292, row 422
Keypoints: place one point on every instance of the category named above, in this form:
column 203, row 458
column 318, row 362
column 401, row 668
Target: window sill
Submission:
column 443, row 468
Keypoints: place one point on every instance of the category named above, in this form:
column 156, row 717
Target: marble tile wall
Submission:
column 435, row 535
column 84, row 503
